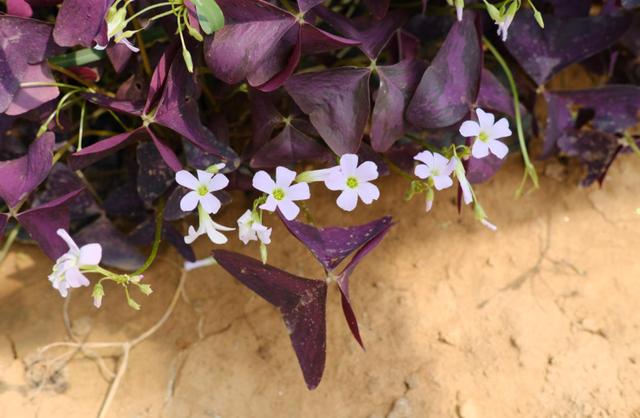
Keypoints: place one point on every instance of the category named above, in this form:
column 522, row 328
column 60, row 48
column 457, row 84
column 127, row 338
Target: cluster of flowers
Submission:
column 351, row 179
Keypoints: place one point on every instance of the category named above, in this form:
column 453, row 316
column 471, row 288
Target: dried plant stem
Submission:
column 529, row 169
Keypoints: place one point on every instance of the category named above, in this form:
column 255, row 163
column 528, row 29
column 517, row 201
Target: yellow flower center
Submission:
column 278, row 194
column 202, row 190
column 352, row 182
column 483, row 137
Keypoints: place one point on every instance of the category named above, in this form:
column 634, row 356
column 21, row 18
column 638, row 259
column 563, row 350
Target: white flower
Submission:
column 354, row 181
column 251, row 229
column 281, row 193
column 436, row 167
column 66, row 272
column 207, row 226
column 201, row 189
column 503, row 27
column 205, row 262
column 467, row 192
column 486, row 134
column 116, row 19
column 459, row 7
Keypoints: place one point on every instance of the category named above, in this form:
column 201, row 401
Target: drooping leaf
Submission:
column 210, row 15
column 301, row 302
column 563, row 41
column 43, row 221
column 21, row 176
column 125, row 106
column 117, row 251
column 337, row 102
column 397, row 85
column 451, row 83
column 493, row 95
column 103, row 148
column 480, row 170
column 596, row 150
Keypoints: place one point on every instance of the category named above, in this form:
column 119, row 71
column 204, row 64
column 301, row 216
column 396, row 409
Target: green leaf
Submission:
column 78, row 58
column 209, row 15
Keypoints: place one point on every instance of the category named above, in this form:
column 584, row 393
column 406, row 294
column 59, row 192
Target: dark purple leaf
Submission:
column 154, row 176
column 165, row 151
column 401, row 154
column 630, row 4
column 118, row 105
column 301, row 302
column 450, row 84
column 397, row 85
column 60, row 180
column 24, row 42
column 481, row 170
column 265, row 117
column 22, row 175
column 332, row 245
column 544, row 52
column 159, row 77
column 119, row 56
column 596, row 150
column 373, row 35
column 343, row 281
column 43, row 221
column 125, row 201
column 29, row 98
column 19, row 8
column 366, row 153
column 378, row 8
column 493, row 95
column 306, row 5
column 117, row 251
column 178, row 111
column 103, row 148
column 79, row 21
column 568, row 8
column 337, row 102
column 201, row 160
column 408, row 45
column 289, row 147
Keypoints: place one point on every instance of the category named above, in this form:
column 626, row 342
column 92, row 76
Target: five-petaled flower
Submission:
column 435, row 167
column 281, row 193
column 201, row 189
column 66, row 272
column 207, row 226
column 467, row 191
column 354, row 181
column 486, row 134
column 251, row 229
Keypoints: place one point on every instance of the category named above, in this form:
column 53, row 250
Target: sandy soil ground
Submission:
column 540, row 319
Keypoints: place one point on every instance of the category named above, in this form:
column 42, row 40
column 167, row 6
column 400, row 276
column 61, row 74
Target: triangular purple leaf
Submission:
column 596, row 150
column 118, row 105
column 117, row 250
column 343, row 280
column 154, row 176
column 79, row 21
column 494, row 95
column 397, row 85
column 29, row 98
column 480, row 170
column 103, row 148
column 337, row 102
column 332, row 245
column 22, row 175
column 43, row 221
column 450, row 85
column 289, row 147
column 306, row 5
column 544, row 52
column 301, row 302
column 378, row 8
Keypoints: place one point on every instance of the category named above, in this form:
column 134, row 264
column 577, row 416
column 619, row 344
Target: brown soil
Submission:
column 540, row 319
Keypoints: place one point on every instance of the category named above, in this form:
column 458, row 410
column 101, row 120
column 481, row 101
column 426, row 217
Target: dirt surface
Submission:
column 540, row 319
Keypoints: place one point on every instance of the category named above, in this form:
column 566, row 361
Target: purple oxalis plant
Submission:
column 127, row 124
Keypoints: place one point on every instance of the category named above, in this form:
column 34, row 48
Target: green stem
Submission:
column 530, row 170
column 83, row 109
column 156, row 240
column 9, row 242
column 49, row 84
column 145, row 10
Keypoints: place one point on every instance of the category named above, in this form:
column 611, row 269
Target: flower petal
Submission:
column 265, row 236
column 425, row 157
column 218, row 182
column 192, row 235
column 500, row 129
column 210, row 203
column 469, row 129
column 289, row 209
column 480, row 149
column 422, row 171
column 263, row 182
column 271, row 204
column 90, row 255
column 299, row 191
column 368, row 192
column 348, row 200
column 73, row 247
column 216, row 236
column 204, row 177
column 189, row 201
column 441, row 162
column 485, row 119
column 335, row 180
column 367, row 171
column 349, row 164
column 498, row 148
column 442, row 182
column 75, row 278
column 186, row 179
column 284, row 177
